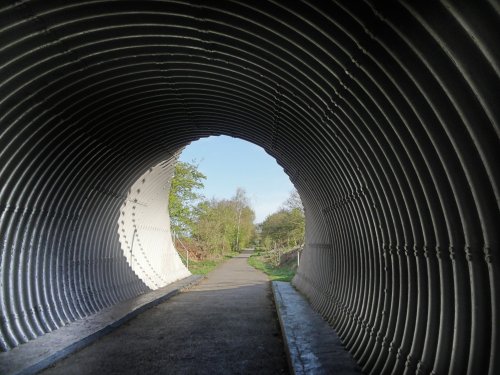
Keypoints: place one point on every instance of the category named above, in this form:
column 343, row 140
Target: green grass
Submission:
column 284, row 272
column 202, row 267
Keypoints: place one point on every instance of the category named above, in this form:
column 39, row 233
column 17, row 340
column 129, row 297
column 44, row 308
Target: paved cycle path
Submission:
column 227, row 324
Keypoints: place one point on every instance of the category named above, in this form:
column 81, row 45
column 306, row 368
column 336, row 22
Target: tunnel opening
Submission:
column 383, row 114
column 234, row 174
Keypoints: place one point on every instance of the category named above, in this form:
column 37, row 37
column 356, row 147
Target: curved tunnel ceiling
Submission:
column 385, row 116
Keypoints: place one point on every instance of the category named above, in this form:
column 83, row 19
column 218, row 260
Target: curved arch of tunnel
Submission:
column 383, row 115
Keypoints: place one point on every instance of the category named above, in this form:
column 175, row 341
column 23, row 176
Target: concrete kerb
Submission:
column 278, row 301
column 39, row 354
column 311, row 345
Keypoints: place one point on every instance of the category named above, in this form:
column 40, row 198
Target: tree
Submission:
column 294, row 202
column 241, row 202
column 184, row 197
column 225, row 225
column 285, row 227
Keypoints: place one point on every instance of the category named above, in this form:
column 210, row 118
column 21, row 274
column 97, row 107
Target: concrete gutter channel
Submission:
column 39, row 354
column 311, row 345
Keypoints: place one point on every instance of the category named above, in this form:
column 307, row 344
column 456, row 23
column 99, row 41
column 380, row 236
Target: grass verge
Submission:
column 284, row 272
column 204, row 266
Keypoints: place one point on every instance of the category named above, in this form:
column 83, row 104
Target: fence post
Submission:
column 185, row 248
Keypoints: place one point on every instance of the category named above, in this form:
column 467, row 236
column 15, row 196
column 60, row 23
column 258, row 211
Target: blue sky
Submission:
column 230, row 163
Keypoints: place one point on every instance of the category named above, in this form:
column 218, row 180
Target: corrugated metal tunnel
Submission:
column 385, row 115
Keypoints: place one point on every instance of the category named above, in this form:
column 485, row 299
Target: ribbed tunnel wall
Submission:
column 144, row 228
column 384, row 114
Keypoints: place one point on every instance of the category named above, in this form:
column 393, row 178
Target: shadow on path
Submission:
column 225, row 325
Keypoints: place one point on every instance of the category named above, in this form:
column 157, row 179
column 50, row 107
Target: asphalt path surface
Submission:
column 227, row 324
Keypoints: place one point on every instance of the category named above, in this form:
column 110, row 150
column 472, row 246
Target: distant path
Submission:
column 225, row 325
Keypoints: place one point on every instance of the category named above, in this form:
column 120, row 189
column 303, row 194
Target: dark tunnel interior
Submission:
column 384, row 114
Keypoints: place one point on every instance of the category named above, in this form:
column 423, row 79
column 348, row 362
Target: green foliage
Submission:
column 225, row 225
column 217, row 226
column 202, row 267
column 184, row 197
column 284, row 228
column 284, row 272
